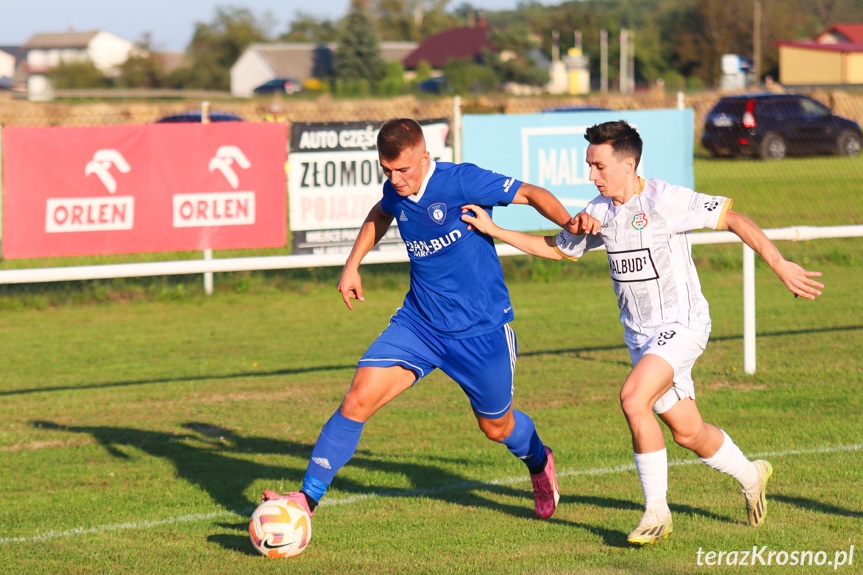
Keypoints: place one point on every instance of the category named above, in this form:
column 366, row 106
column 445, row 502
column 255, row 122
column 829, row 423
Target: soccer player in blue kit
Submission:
column 455, row 316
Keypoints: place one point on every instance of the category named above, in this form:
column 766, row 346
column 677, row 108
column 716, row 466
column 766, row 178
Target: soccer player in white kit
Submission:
column 645, row 227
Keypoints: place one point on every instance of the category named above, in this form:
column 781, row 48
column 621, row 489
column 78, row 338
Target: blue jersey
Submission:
column 457, row 289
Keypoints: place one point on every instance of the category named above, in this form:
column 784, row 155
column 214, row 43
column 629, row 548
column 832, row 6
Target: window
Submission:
column 813, row 109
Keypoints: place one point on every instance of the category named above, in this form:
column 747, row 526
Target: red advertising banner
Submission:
column 143, row 188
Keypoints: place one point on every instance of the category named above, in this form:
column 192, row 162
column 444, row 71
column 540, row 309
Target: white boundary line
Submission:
column 407, row 493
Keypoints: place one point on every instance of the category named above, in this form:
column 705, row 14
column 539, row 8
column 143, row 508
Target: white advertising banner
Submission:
column 334, row 179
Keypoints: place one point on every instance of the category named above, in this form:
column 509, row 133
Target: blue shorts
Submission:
column 482, row 366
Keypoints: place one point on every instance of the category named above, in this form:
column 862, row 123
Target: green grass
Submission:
column 816, row 191
column 136, row 436
column 140, row 419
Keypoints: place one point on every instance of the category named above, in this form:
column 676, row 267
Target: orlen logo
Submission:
column 94, row 214
column 101, row 164
column 218, row 208
column 225, row 158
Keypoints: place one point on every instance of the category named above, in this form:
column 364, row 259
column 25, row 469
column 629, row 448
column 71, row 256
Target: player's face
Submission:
column 407, row 172
column 610, row 174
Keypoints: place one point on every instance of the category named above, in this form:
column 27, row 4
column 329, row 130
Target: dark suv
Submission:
column 773, row 125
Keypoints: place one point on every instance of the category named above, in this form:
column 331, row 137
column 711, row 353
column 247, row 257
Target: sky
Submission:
column 170, row 23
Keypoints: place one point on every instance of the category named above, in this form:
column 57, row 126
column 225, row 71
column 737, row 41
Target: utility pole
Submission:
column 555, row 45
column 603, row 64
column 756, row 41
column 623, row 80
column 631, row 68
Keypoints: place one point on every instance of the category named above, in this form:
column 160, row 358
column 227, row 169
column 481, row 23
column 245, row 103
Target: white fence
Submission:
column 209, row 266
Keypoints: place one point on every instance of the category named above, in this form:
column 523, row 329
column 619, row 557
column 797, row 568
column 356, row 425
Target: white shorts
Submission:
column 680, row 347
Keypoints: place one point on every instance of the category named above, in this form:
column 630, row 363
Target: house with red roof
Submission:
column 841, row 34
column 453, row 44
column 833, row 57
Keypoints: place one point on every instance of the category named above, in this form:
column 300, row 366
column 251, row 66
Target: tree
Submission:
column 216, row 47
column 434, row 18
column 398, row 20
column 142, row 69
column 412, row 20
column 358, row 61
column 308, row 28
column 512, row 63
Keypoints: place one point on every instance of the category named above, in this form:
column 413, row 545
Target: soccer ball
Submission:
column 280, row 528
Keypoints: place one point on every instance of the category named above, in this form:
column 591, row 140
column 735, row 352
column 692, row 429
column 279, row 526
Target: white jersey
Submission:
column 650, row 255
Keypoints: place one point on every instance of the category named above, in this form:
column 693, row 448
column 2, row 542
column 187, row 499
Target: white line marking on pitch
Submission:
column 407, row 493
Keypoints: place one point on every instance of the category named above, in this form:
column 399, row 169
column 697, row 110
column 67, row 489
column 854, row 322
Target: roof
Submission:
column 16, row 51
column 397, row 51
column 298, row 59
column 294, row 60
column 61, row 40
column 452, row 44
column 841, row 34
column 844, row 47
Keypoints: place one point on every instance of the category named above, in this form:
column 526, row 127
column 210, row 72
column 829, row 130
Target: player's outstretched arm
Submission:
column 478, row 219
column 374, row 227
column 798, row 280
column 545, row 203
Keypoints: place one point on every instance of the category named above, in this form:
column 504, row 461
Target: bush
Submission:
column 467, row 77
column 78, row 75
column 393, row 82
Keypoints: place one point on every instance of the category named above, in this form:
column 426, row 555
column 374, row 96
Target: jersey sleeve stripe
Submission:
column 565, row 255
column 720, row 223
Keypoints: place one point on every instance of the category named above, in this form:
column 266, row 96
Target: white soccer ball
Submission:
column 280, row 528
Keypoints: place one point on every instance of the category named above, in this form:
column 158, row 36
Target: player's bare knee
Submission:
column 494, row 429
column 687, row 438
column 356, row 406
column 634, row 406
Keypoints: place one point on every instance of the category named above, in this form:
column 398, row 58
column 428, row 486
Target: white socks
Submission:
column 653, row 474
column 731, row 461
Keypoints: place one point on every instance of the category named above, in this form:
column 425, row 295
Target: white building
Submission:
column 105, row 50
column 260, row 63
column 7, row 68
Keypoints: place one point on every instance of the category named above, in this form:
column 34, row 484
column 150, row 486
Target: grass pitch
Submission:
column 136, row 437
column 138, row 426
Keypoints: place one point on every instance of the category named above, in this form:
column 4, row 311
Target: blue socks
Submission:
column 525, row 443
column 335, row 446
column 340, row 436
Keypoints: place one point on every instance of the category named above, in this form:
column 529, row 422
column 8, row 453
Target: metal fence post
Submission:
column 748, row 310
column 208, row 253
column 456, row 129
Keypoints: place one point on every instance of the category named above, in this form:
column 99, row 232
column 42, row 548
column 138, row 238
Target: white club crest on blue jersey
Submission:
column 438, row 212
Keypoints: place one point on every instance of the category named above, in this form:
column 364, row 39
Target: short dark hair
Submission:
column 397, row 135
column 624, row 139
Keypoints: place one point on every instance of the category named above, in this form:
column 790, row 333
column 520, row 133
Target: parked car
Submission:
column 436, row 85
column 775, row 125
column 279, row 86
column 194, row 116
column 577, row 108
